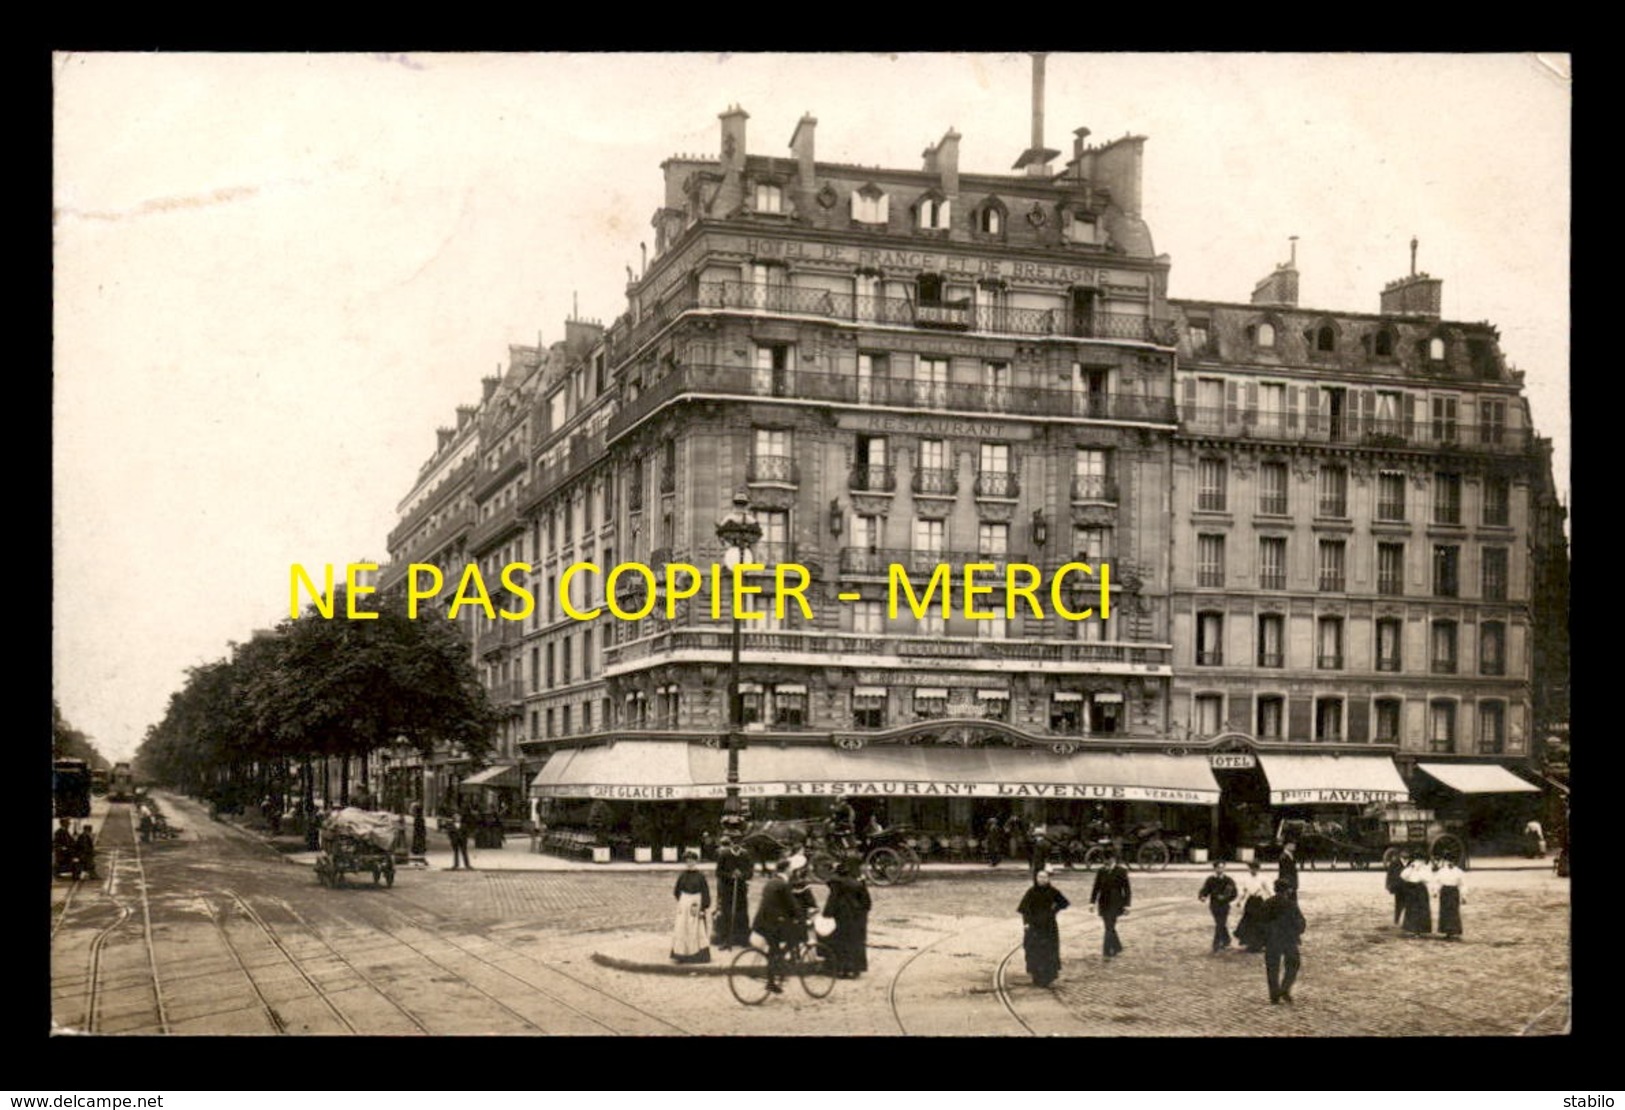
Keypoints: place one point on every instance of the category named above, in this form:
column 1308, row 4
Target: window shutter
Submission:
column 1357, row 719
column 1311, row 408
column 1241, row 713
column 1252, row 402
column 1368, row 408
column 1300, row 719
column 1293, row 402
column 1231, row 392
column 1189, row 403
column 1409, row 416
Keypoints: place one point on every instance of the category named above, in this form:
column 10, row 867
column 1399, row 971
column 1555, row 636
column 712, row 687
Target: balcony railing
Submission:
column 842, row 644
column 997, row 483
column 1272, row 505
column 746, row 381
column 1272, row 580
column 497, row 525
column 1390, row 666
column 430, row 506
column 1351, row 431
column 1391, row 587
column 584, row 449
column 941, row 481
column 872, row 479
column 1209, row 577
column 1444, row 666
column 878, row 561
column 1391, row 512
column 1337, row 508
column 1271, row 659
column 1331, row 583
column 1329, row 662
column 771, row 468
column 1210, row 659
column 1490, row 667
column 1093, row 487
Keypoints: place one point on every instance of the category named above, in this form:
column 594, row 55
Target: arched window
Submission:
column 1325, row 338
column 990, row 220
column 1265, row 335
column 932, row 213
column 1436, row 349
column 1383, row 345
column 870, row 205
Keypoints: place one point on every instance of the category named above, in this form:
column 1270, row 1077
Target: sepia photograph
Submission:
column 826, row 544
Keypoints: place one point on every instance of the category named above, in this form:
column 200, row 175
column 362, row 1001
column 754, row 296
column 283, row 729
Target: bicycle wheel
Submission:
column 815, row 969
column 747, row 976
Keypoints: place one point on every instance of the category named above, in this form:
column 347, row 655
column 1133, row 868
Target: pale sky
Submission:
column 275, row 275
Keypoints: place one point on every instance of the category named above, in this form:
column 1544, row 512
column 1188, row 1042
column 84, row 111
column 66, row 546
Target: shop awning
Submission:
column 675, row 771
column 502, row 776
column 1332, row 779
column 1478, row 778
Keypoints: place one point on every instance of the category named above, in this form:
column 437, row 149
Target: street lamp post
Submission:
column 737, row 531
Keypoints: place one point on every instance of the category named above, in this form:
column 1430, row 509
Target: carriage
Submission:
column 886, row 858
column 1143, row 846
column 1381, row 832
column 356, row 841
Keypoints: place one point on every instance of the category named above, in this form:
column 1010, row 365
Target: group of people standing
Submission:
column 73, row 854
column 1417, row 886
column 783, row 917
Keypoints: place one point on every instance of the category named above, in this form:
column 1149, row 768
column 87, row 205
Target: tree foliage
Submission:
column 68, row 742
column 316, row 687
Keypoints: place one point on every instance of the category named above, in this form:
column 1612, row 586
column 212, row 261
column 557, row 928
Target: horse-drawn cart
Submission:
column 354, row 841
column 1378, row 833
column 887, row 858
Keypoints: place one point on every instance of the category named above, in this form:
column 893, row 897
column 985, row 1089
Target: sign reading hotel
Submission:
column 1232, row 761
column 1331, row 794
column 1068, row 791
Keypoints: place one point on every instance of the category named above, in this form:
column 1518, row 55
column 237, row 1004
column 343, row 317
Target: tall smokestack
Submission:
column 1037, row 157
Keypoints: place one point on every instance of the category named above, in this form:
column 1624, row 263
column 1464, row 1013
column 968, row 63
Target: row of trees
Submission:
column 68, row 742
column 319, row 688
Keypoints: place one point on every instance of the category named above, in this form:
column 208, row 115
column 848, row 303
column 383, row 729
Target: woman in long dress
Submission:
column 1449, row 880
column 1418, row 908
column 848, row 904
column 1253, row 890
column 1041, row 940
column 691, row 933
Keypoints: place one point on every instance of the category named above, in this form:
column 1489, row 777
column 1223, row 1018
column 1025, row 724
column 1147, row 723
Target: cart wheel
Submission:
column 1094, row 858
column 1153, row 855
column 1449, row 847
column 885, row 866
column 1074, row 854
column 1389, row 855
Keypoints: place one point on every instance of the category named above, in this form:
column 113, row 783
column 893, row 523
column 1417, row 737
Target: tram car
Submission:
column 70, row 787
column 98, row 781
column 121, row 785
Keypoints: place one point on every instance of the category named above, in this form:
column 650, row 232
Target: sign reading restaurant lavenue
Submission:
column 1333, row 794
column 889, row 788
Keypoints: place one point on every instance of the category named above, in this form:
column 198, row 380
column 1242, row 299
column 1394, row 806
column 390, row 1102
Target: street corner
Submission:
column 648, row 953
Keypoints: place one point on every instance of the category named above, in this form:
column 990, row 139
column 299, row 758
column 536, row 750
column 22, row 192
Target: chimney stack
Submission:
column 731, row 195
column 488, row 386
column 443, row 436
column 1281, row 287
column 1413, row 295
column 801, row 145
column 1036, row 158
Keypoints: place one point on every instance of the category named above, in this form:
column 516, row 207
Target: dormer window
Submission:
column 1436, row 349
column 1325, row 338
column 1264, row 336
column 769, row 198
column 990, row 221
column 1081, row 229
column 1382, row 344
column 870, row 205
column 931, row 213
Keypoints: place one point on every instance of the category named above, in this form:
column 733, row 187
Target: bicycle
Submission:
column 809, row 961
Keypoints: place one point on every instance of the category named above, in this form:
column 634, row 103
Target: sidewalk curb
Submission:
column 715, row 968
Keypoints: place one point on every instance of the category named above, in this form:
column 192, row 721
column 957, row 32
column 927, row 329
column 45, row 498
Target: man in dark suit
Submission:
column 1283, row 925
column 1219, row 891
column 1038, row 853
column 1287, row 868
column 1110, row 899
column 780, row 921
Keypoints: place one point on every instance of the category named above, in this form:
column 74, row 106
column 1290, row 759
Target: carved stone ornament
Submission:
column 1243, row 464
column 1037, row 216
column 772, row 499
column 996, row 512
column 1419, row 480
column 932, row 508
column 712, row 742
column 1094, row 516
column 1360, row 471
column 827, row 196
column 871, row 504
column 1304, row 467
column 850, row 743
column 1063, row 748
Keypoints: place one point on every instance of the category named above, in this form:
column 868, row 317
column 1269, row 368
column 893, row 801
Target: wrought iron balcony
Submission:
column 771, row 468
column 997, row 483
column 1272, row 505
column 872, row 479
column 1390, row 666
column 941, row 481
column 1444, row 666
column 1329, row 662
column 1015, row 400
column 1272, row 580
column 1332, row 583
column 1349, row 430
column 1210, row 659
column 1273, row 660
column 1093, row 487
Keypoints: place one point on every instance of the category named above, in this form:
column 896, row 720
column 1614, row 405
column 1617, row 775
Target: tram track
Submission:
column 316, row 988
column 530, row 985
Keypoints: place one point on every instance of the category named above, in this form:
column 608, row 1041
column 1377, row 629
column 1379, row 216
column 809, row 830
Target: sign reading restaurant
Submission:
column 1068, row 791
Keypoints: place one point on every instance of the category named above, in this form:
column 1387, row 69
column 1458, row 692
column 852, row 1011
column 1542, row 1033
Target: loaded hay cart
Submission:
column 354, row 840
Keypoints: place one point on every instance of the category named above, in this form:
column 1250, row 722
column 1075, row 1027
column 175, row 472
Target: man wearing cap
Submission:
column 779, row 921
column 1283, row 925
column 1110, row 899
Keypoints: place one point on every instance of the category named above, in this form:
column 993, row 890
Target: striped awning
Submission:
column 1478, row 778
column 1332, row 779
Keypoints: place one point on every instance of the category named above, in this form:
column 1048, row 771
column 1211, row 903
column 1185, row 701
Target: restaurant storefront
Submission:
column 945, row 792
column 1261, row 789
column 1493, row 803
